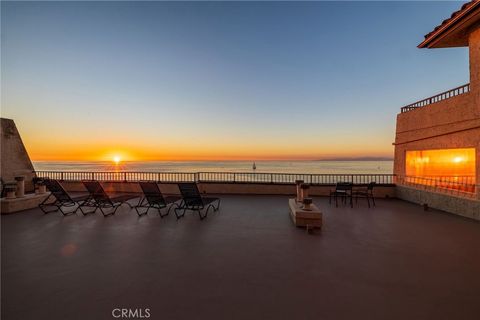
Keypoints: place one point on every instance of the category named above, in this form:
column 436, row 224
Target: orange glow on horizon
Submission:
column 149, row 144
column 102, row 149
column 140, row 155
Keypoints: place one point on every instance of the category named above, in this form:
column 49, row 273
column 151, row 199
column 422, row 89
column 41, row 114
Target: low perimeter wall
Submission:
column 227, row 188
column 469, row 208
column 464, row 207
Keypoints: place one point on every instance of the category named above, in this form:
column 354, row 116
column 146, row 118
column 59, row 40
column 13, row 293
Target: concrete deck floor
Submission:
column 245, row 262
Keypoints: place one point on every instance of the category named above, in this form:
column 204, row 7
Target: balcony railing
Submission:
column 218, row 177
column 458, row 186
column 439, row 97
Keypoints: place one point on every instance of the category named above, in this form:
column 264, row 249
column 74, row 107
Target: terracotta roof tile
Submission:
column 462, row 10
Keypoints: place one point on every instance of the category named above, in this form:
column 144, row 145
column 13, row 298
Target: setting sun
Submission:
column 116, row 159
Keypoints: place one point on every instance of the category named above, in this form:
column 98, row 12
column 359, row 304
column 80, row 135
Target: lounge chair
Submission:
column 62, row 199
column 101, row 200
column 366, row 192
column 153, row 198
column 342, row 190
column 192, row 200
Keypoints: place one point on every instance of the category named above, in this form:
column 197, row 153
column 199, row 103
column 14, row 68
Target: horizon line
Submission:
column 232, row 160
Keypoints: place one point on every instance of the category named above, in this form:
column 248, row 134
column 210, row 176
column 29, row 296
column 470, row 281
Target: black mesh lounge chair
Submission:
column 342, row 190
column 62, row 199
column 366, row 192
column 153, row 198
column 192, row 200
column 101, row 200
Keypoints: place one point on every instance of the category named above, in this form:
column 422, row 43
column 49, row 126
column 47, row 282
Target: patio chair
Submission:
column 62, row 199
column 366, row 192
column 101, row 200
column 153, row 198
column 342, row 190
column 192, row 200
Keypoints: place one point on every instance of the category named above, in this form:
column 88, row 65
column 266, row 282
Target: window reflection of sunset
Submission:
column 444, row 162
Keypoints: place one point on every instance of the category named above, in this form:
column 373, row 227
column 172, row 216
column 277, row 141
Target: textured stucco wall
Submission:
column 14, row 159
column 468, row 208
column 453, row 114
column 474, row 51
column 451, row 123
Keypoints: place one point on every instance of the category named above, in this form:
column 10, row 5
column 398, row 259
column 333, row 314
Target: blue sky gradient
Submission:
column 218, row 80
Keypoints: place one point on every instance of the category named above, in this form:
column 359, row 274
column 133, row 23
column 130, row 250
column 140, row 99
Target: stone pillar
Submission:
column 399, row 149
column 399, row 161
column 42, row 189
column 20, row 186
column 10, row 191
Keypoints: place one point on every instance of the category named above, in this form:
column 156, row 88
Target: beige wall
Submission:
column 450, row 115
column 14, row 159
column 446, row 125
column 224, row 188
column 469, row 208
column 474, row 51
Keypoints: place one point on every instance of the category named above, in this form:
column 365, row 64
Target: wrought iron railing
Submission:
column 436, row 98
column 219, row 177
column 457, row 186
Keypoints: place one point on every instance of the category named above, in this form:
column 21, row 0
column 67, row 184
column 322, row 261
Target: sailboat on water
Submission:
column 254, row 167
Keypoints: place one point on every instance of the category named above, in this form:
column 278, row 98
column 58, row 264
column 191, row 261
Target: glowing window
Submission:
column 450, row 165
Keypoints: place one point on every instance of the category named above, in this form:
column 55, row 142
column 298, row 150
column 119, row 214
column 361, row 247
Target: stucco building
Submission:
column 437, row 142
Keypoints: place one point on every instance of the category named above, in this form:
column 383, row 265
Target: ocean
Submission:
column 307, row 167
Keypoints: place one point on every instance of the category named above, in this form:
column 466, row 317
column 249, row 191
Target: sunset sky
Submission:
column 218, row 80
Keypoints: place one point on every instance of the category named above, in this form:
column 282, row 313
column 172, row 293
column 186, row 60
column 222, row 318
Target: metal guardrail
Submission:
column 458, row 186
column 464, row 187
column 118, row 176
column 219, row 177
column 289, row 178
column 436, row 98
